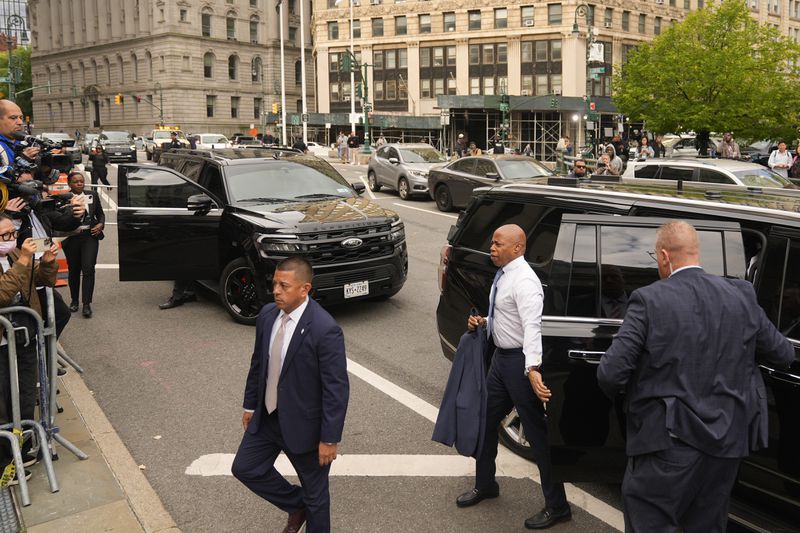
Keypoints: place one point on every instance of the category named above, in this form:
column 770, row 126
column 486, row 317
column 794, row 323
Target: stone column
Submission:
column 55, row 25
column 573, row 80
column 413, row 78
column 90, row 16
column 514, row 65
column 323, row 82
column 102, row 21
column 68, row 19
column 462, row 66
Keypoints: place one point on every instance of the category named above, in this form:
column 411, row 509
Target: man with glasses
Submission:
column 579, row 170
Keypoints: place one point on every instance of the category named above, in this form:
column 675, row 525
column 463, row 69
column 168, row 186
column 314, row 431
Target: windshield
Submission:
column 513, row 170
column 213, row 139
column 164, row 134
column 250, row 142
column 121, row 136
column 422, row 155
column 285, row 180
column 760, row 146
column 761, row 177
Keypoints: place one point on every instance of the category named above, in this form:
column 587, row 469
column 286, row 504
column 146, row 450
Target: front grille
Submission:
column 325, row 248
column 325, row 281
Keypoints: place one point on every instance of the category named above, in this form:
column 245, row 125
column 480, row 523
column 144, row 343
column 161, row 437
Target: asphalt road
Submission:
column 171, row 383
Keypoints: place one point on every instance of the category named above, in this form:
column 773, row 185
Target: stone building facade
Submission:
column 210, row 65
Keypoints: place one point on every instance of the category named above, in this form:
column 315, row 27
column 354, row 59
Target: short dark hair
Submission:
column 299, row 265
column 75, row 173
column 5, row 216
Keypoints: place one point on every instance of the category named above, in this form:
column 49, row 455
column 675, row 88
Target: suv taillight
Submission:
column 444, row 258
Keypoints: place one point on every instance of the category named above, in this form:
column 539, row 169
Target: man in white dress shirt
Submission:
column 514, row 323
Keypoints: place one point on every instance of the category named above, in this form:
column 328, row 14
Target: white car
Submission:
column 212, row 141
column 319, row 150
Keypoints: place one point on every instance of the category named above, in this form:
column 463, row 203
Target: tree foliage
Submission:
column 22, row 61
column 717, row 70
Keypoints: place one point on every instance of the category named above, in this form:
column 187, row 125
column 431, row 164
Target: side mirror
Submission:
column 493, row 176
column 394, row 160
column 200, row 203
column 359, row 188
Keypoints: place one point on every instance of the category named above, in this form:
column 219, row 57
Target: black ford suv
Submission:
column 226, row 217
column 591, row 245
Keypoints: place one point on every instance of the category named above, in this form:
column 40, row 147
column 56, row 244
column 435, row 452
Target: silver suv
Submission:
column 705, row 173
column 404, row 168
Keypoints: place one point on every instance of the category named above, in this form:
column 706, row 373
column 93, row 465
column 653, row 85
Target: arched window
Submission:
column 135, row 63
column 233, row 67
column 94, row 72
column 298, row 72
column 254, row 29
column 255, row 69
column 230, row 25
column 148, row 59
column 82, row 82
column 208, row 65
column 121, row 70
column 60, row 79
column 107, row 64
column 205, row 21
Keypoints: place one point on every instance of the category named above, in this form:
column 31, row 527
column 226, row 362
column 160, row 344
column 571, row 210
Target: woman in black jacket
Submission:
column 81, row 248
column 99, row 161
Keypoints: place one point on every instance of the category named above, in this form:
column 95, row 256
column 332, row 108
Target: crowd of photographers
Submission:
column 31, row 222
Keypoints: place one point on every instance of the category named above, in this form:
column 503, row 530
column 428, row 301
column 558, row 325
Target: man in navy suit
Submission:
column 695, row 400
column 295, row 400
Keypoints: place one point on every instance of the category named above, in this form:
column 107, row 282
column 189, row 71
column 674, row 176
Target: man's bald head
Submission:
column 10, row 118
column 677, row 245
column 508, row 243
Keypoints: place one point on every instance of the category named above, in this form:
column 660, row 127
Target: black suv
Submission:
column 591, row 244
column 229, row 216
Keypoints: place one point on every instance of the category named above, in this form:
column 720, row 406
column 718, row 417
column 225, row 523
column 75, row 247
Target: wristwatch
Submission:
column 330, row 443
column 538, row 368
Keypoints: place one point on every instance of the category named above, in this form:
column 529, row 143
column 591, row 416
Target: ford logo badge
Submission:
column 352, row 243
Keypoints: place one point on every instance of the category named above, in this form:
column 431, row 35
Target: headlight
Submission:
column 283, row 244
column 133, row 147
column 419, row 173
column 398, row 232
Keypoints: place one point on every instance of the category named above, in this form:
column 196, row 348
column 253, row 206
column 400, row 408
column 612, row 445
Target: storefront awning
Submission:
column 603, row 104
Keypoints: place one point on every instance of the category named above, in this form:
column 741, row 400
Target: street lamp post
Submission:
column 584, row 11
column 13, row 21
column 283, row 74
column 304, row 115
column 352, row 72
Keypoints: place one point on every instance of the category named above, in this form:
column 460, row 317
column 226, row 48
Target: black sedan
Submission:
column 118, row 145
column 451, row 186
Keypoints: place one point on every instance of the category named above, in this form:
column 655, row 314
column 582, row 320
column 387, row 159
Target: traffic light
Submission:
column 118, row 99
column 276, row 107
column 138, row 99
column 358, row 90
column 591, row 106
column 553, row 102
column 345, row 62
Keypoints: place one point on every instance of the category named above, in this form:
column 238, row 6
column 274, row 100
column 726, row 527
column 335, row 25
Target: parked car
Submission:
column 160, row 136
column 88, row 143
column 214, row 141
column 246, row 140
column 404, row 168
column 759, row 151
column 228, row 216
column 451, row 186
column 582, row 235
column 683, row 146
column 70, row 148
column 706, row 173
column 118, row 145
column 319, row 150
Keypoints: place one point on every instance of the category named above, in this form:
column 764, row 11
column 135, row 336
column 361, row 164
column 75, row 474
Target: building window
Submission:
column 626, row 20
column 474, row 86
column 555, row 50
column 390, row 59
column 377, row 27
column 183, row 15
column 253, row 3
column 657, row 26
column 333, row 62
column 230, row 26
column 672, row 3
column 438, row 87
column 642, row 22
column 257, row 108
column 700, row 5
column 474, row 54
column 402, row 58
column 208, row 65
column 400, row 25
column 687, row 4
column 391, row 90
column 205, row 24
column 335, row 92
column 488, row 86
column 542, row 85
column 255, row 69
column 541, row 51
column 402, row 90
column 501, row 17
column 451, row 85
column 424, row 57
column 608, row 18
column 298, row 73
column 527, row 85
column 474, row 20
column 450, row 51
column 526, row 15
column 254, row 29
column 488, row 54
column 449, row 22
column 526, row 52
column 502, row 54
column 356, row 29
column 377, row 60
column 554, row 14
column 233, row 67
column 333, row 31
column 210, row 101
column 235, row 106
column 424, row 23
column 425, row 88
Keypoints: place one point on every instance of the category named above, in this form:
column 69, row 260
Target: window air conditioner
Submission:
column 557, row 91
column 451, row 28
column 375, row 2
column 609, row 24
column 529, row 23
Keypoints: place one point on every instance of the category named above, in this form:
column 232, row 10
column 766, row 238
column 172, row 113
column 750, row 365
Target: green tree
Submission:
column 22, row 63
column 717, row 70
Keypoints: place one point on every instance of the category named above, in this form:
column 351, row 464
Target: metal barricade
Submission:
column 564, row 163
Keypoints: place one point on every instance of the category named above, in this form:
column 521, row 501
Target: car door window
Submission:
column 383, row 153
column 391, row 152
column 211, row 179
column 583, row 282
column 484, row 167
column 645, row 171
column 676, row 173
column 191, row 169
column 463, row 165
column 779, row 289
column 714, row 176
column 159, row 188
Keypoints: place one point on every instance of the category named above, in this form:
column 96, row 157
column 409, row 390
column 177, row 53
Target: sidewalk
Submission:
column 106, row 492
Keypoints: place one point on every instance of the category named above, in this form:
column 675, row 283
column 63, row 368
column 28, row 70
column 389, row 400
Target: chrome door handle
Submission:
column 592, row 358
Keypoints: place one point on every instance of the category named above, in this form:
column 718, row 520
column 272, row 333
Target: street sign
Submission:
column 367, row 107
column 355, row 118
column 4, row 79
column 597, row 70
column 593, row 116
column 593, row 76
column 305, row 117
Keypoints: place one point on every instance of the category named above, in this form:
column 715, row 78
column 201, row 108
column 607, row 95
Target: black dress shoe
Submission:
column 548, row 517
column 172, row 302
column 474, row 497
column 61, row 371
column 87, row 310
column 73, row 307
column 295, row 521
column 189, row 297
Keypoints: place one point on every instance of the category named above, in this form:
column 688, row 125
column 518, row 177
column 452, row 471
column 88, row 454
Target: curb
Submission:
column 141, row 497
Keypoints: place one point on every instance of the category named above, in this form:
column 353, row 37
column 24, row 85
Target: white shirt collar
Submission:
column 511, row 265
column 295, row 315
column 685, row 268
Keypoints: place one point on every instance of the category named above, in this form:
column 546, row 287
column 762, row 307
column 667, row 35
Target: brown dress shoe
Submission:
column 295, row 522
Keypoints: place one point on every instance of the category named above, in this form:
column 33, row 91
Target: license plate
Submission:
column 117, row 153
column 359, row 288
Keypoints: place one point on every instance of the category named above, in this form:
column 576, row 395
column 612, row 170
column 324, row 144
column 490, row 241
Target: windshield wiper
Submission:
column 266, row 200
column 319, row 195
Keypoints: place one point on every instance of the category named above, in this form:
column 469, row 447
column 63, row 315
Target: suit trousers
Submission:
column 507, row 387
column 81, row 251
column 680, row 487
column 254, row 467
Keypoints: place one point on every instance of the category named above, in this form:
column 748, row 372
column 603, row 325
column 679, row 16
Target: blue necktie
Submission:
column 490, row 317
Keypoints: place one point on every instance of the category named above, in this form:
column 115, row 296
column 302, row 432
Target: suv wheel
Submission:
column 237, row 289
column 443, row 199
column 403, row 190
column 512, row 435
column 372, row 179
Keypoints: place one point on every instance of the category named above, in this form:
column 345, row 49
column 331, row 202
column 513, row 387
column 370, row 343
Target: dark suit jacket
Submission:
column 686, row 358
column 462, row 414
column 313, row 389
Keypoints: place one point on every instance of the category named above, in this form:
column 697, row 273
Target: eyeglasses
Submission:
column 10, row 236
column 580, row 166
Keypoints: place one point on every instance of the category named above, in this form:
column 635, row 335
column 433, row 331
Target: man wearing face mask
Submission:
column 688, row 350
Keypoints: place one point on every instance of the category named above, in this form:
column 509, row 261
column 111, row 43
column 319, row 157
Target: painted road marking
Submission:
column 371, row 194
column 425, row 210
column 107, row 266
column 508, row 464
